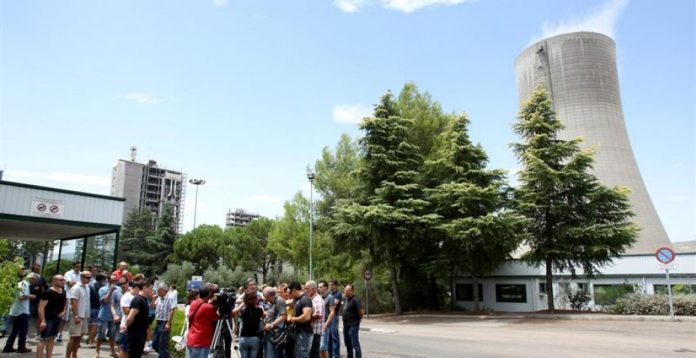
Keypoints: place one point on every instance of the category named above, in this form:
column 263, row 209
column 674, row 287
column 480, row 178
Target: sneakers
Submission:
column 59, row 338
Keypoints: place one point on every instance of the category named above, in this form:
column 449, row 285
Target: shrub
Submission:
column 578, row 300
column 640, row 304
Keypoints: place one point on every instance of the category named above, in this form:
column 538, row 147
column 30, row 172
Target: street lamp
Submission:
column 311, row 176
column 197, row 183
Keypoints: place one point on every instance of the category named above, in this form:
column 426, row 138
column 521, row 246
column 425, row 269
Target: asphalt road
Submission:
column 456, row 337
column 446, row 336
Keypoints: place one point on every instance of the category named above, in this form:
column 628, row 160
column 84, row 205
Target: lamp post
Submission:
column 197, row 183
column 311, row 176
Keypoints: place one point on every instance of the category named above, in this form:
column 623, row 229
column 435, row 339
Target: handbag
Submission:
column 181, row 339
column 279, row 337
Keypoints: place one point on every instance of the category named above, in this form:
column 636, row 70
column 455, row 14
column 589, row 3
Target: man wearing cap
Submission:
column 20, row 316
column 164, row 311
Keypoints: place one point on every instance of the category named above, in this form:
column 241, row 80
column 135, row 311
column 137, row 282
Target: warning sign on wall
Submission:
column 47, row 208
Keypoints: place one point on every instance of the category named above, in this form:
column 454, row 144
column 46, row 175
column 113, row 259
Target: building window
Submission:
column 581, row 286
column 676, row 289
column 608, row 294
column 542, row 288
column 465, row 292
column 511, row 293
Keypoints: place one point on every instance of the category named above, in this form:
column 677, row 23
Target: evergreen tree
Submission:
column 386, row 214
column 479, row 233
column 137, row 226
column 574, row 221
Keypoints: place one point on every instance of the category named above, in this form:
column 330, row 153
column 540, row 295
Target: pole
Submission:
column 118, row 234
column 367, row 298
column 60, row 252
column 311, row 224
column 195, row 208
column 669, row 292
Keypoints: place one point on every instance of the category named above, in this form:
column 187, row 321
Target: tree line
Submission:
column 414, row 200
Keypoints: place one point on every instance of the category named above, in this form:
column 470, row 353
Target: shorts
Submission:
column 94, row 317
column 51, row 329
column 107, row 329
column 78, row 330
column 124, row 341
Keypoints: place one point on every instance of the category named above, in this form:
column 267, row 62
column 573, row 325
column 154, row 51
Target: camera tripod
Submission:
column 218, row 347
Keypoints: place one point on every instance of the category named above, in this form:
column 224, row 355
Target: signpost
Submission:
column 665, row 256
column 368, row 276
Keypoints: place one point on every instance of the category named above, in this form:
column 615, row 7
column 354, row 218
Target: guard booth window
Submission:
column 516, row 293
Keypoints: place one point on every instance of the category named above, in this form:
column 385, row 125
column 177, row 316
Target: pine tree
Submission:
column 479, row 232
column 386, row 215
column 574, row 221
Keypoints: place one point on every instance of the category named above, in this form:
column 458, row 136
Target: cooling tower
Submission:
column 579, row 72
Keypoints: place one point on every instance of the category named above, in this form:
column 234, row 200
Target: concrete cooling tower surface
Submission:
column 579, row 72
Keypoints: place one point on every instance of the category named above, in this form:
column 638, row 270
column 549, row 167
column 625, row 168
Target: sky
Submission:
column 245, row 94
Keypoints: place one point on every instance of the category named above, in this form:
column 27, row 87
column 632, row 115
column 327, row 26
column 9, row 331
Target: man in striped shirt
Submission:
column 164, row 312
column 317, row 317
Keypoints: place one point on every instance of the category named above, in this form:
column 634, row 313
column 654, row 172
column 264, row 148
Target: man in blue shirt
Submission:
column 20, row 316
column 106, row 315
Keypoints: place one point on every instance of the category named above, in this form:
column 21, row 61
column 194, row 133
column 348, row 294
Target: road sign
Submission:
column 368, row 275
column 665, row 255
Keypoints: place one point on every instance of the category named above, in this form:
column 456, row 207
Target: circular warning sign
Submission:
column 54, row 208
column 368, row 275
column 665, row 255
column 41, row 207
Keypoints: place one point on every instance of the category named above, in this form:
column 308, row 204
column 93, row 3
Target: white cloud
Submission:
column 352, row 114
column 263, row 198
column 221, row 3
column 57, row 177
column 602, row 20
column 142, row 98
column 407, row 6
column 349, row 5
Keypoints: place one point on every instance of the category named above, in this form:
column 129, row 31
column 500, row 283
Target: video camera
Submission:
column 223, row 300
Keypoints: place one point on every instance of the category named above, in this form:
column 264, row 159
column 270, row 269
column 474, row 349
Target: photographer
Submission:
column 202, row 318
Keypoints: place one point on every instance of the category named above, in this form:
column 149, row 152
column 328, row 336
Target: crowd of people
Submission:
column 291, row 320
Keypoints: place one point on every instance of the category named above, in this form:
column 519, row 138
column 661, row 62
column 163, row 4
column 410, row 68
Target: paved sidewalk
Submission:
column 58, row 349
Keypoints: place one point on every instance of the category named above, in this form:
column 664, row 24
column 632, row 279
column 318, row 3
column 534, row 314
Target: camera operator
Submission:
column 202, row 318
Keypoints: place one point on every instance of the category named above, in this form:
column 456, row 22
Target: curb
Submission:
column 568, row 317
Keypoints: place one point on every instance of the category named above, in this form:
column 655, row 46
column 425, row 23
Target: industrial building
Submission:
column 239, row 218
column 147, row 186
column 580, row 75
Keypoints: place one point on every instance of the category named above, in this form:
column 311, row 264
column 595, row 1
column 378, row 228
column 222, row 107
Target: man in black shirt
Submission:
column 352, row 314
column 50, row 312
column 301, row 320
column 137, row 321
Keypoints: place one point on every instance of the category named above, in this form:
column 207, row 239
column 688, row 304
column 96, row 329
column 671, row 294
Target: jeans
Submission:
column 350, row 337
column 20, row 325
column 334, row 340
column 160, row 340
column 303, row 344
column 249, row 346
column 198, row 352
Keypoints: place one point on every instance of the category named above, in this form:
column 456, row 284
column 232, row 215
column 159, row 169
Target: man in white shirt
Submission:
column 126, row 300
column 80, row 309
column 71, row 278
